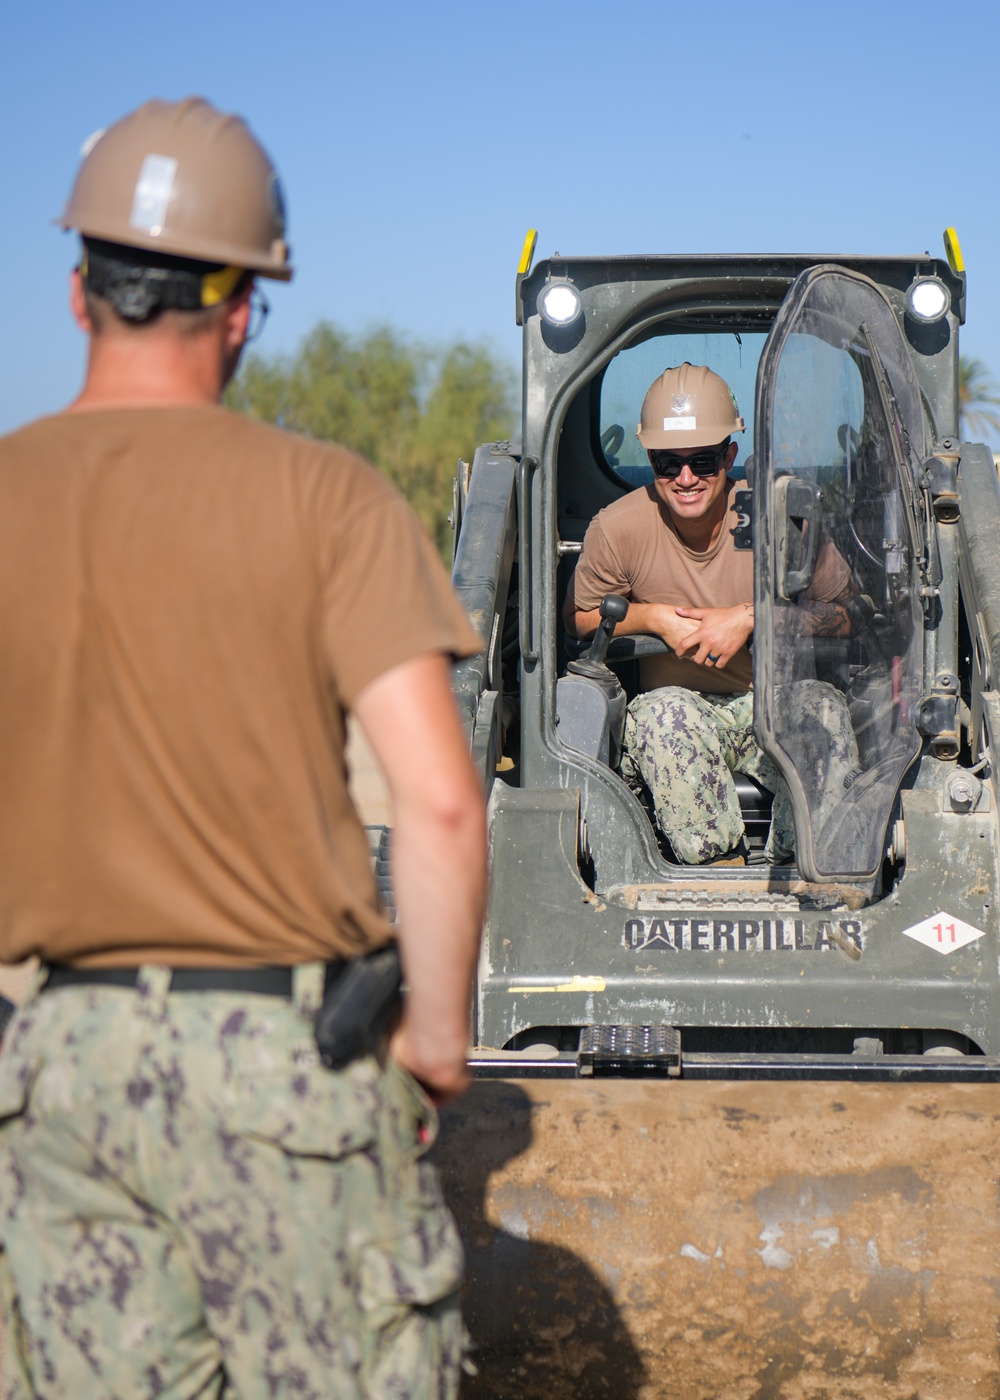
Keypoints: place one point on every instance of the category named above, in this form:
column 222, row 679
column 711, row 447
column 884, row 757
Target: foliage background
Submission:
column 415, row 410
column 978, row 401
column 411, row 409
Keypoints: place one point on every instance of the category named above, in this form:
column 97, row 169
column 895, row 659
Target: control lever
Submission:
column 592, row 667
column 614, row 609
column 798, row 510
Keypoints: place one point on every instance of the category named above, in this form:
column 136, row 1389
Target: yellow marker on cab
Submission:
column 578, row 984
column 954, row 250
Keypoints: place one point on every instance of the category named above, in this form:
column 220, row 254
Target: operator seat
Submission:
column 586, row 714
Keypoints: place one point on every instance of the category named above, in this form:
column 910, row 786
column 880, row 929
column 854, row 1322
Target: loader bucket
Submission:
column 731, row 1241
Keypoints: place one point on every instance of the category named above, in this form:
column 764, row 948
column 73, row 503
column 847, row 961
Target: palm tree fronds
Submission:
column 978, row 397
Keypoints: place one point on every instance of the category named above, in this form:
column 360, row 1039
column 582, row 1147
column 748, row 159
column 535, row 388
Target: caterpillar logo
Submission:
column 744, row 935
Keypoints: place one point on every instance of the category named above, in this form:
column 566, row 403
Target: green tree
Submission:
column 469, row 401
column 410, row 410
column 978, row 399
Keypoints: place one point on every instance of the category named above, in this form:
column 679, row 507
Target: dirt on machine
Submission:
column 732, row 1128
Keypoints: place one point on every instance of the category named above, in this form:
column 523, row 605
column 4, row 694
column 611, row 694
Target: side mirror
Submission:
column 797, row 518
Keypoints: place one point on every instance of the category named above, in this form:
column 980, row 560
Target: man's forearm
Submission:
column 824, row 619
column 655, row 619
column 438, row 861
column 584, row 622
column 439, row 875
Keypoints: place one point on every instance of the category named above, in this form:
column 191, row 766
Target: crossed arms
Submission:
column 693, row 633
column 697, row 633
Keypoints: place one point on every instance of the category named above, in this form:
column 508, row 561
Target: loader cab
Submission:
column 842, row 392
column 885, row 932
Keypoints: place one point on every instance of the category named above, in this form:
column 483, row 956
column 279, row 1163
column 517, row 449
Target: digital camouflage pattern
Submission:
column 683, row 747
column 191, row 1205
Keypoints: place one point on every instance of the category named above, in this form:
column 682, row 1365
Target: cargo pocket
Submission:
column 304, row 1109
column 15, row 1372
column 15, row 1085
column 419, row 1129
column 16, row 1079
column 20, row 1067
column 412, row 1334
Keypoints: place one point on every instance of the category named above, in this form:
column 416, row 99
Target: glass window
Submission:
column 838, row 655
column 631, row 372
column 821, row 400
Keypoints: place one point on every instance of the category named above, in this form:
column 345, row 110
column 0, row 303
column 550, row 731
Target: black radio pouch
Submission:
column 359, row 1006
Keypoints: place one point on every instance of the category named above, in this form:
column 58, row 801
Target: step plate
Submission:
column 654, row 1050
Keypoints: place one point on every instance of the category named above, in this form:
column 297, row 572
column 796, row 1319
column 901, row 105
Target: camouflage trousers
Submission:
column 191, row 1205
column 683, row 747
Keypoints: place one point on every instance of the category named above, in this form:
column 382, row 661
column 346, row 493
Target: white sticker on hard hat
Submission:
column 943, row 932
column 276, row 195
column 153, row 189
column 91, row 142
column 675, row 425
column 680, row 403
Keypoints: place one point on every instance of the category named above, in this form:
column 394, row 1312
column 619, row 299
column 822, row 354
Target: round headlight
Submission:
column 559, row 303
column 927, row 299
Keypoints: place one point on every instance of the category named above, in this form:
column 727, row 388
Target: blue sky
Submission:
column 417, row 143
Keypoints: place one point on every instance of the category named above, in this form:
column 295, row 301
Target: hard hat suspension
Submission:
column 139, row 284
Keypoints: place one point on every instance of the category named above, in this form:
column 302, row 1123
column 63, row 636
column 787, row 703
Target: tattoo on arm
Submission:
column 850, row 590
column 824, row 619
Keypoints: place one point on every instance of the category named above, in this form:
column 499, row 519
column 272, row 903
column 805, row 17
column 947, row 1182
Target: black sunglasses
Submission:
column 259, row 312
column 669, row 465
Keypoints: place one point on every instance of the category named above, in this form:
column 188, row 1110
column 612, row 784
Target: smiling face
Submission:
column 695, row 502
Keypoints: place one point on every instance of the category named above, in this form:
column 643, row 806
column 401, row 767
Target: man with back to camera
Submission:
column 190, row 1203
column 669, row 548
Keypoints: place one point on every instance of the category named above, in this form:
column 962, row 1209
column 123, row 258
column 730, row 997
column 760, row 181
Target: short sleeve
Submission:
column 386, row 597
column 832, row 574
column 598, row 570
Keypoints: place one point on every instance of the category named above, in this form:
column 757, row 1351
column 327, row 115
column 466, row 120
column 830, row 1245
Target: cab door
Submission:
column 842, row 544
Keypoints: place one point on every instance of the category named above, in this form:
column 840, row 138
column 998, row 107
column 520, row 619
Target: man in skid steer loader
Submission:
column 669, row 548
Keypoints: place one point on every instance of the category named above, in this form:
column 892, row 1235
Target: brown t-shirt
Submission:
column 632, row 547
column 189, row 602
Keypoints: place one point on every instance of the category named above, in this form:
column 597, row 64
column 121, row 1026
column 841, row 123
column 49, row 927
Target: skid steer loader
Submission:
column 734, row 1131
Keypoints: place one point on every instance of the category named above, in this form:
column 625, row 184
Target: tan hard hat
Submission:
column 690, row 406
column 184, row 179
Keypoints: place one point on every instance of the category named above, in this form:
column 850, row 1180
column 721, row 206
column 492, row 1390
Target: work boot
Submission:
column 737, row 855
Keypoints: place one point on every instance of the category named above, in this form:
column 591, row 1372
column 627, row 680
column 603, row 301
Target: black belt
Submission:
column 252, row 981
